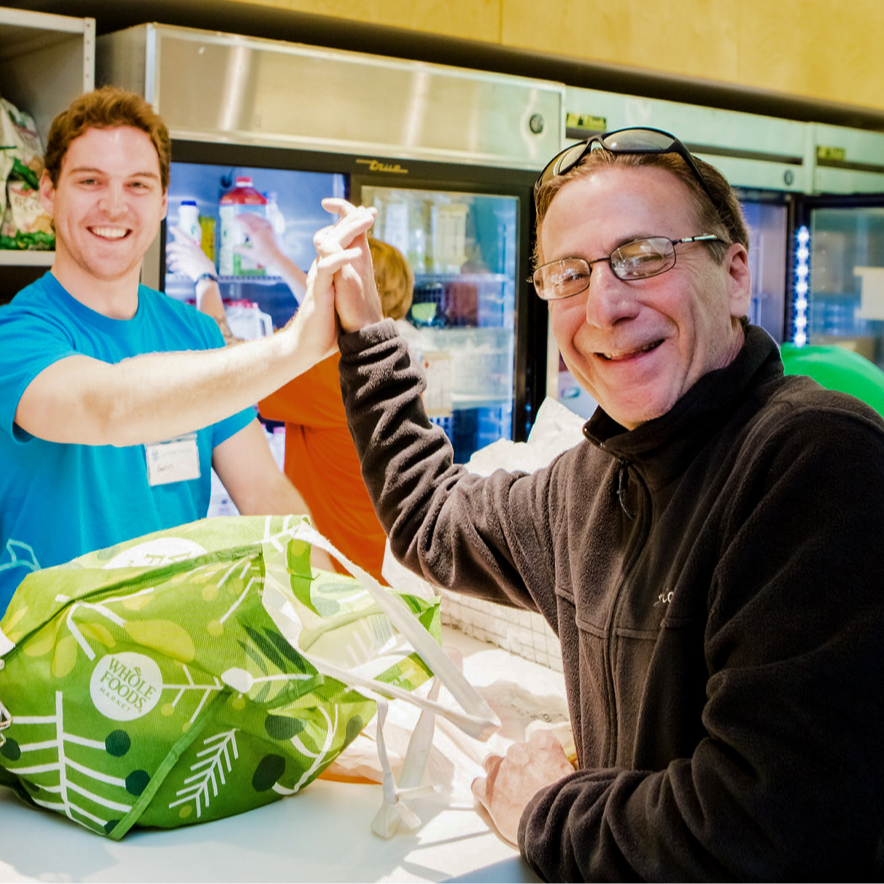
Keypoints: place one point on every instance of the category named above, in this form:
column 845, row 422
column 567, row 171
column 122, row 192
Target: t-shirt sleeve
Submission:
column 29, row 342
column 223, row 430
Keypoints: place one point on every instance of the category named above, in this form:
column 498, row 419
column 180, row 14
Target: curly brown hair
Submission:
column 106, row 108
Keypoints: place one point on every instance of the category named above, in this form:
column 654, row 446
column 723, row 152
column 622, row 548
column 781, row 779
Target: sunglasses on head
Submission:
column 637, row 140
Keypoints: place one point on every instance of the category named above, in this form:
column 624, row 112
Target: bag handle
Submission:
column 476, row 718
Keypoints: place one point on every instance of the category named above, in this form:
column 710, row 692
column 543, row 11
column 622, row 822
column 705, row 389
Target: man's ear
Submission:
column 739, row 280
column 47, row 193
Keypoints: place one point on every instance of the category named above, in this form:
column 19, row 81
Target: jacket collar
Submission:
column 662, row 447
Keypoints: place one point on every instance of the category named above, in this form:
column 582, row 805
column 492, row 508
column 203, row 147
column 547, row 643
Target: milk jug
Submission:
column 234, row 258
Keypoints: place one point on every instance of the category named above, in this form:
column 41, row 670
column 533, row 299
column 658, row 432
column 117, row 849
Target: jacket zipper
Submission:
column 623, row 487
column 634, row 545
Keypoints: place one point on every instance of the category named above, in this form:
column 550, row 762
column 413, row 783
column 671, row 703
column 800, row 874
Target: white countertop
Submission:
column 320, row 834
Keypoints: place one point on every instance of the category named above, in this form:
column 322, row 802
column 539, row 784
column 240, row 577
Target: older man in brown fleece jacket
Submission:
column 711, row 556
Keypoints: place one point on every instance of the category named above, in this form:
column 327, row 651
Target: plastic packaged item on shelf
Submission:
column 234, row 257
column 417, row 236
column 25, row 223
column 438, row 369
column 461, row 302
column 396, row 227
column 482, row 357
column 449, row 237
column 427, row 304
column 5, row 168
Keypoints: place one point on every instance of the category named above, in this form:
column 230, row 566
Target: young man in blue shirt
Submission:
column 115, row 400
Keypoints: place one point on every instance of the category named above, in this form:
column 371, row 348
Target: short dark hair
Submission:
column 723, row 218
column 106, row 108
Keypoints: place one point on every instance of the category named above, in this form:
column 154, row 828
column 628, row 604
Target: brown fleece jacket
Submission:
column 716, row 578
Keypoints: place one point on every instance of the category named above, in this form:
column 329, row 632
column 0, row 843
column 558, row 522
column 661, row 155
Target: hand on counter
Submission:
column 510, row 782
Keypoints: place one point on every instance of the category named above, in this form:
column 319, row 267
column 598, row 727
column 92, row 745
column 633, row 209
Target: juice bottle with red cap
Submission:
column 234, row 258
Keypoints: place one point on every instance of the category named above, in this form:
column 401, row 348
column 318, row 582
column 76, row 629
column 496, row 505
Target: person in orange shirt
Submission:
column 320, row 459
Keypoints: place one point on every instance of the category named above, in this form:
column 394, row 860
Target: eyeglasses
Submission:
column 637, row 259
column 630, row 141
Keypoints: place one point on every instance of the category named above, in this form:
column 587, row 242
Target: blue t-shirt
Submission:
column 60, row 501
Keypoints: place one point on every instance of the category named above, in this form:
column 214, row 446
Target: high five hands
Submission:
column 342, row 251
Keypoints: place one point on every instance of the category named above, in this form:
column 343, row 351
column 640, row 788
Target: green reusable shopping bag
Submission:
column 203, row 671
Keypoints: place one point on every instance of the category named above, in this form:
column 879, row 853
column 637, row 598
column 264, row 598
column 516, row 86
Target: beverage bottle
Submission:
column 233, row 255
column 189, row 219
column 207, row 227
column 275, row 216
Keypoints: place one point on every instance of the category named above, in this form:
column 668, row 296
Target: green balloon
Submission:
column 837, row 368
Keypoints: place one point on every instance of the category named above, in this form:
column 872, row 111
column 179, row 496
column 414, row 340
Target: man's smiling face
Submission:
column 108, row 203
column 638, row 346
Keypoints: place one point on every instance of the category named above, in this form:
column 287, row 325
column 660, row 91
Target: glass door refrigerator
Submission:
column 836, row 254
column 448, row 156
column 475, row 324
column 838, row 273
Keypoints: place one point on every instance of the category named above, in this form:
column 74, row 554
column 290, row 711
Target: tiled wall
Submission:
column 520, row 632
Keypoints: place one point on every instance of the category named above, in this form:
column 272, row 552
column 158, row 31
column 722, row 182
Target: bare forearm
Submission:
column 157, row 396
column 188, row 390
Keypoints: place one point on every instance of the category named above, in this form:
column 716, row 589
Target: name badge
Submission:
column 174, row 461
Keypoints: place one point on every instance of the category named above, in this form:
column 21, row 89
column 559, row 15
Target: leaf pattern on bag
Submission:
column 208, row 772
column 280, row 668
column 164, row 636
column 51, row 777
column 65, row 657
column 44, row 641
column 188, row 703
column 199, row 692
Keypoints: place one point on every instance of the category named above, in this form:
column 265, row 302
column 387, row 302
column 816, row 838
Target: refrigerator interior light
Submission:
column 802, row 272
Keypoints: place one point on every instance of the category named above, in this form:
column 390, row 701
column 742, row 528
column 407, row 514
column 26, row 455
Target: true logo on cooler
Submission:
column 125, row 686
